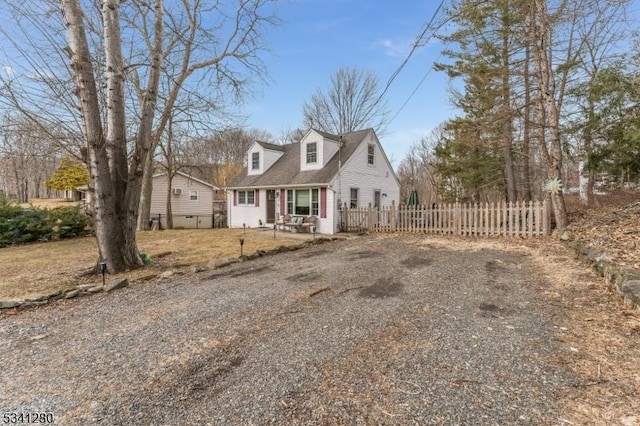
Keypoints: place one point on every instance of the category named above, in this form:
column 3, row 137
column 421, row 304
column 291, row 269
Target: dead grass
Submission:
column 49, row 203
column 38, row 269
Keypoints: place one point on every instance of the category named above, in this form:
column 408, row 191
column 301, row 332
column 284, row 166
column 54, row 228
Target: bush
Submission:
column 67, row 222
column 18, row 225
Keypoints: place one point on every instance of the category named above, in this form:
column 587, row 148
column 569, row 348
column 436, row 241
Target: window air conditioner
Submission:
column 177, row 191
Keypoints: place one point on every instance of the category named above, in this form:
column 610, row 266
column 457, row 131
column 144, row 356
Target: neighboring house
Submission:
column 194, row 203
column 312, row 177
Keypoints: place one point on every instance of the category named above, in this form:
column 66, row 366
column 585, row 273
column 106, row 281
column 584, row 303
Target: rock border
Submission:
column 89, row 289
column 625, row 281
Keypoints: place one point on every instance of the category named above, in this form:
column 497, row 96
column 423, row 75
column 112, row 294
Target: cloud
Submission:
column 395, row 49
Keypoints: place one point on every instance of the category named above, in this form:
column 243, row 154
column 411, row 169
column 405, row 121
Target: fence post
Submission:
column 392, row 216
column 546, row 219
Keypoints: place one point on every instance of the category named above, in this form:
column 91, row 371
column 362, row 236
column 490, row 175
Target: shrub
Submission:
column 18, row 225
column 67, row 222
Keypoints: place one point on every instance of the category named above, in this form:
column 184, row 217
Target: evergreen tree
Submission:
column 488, row 59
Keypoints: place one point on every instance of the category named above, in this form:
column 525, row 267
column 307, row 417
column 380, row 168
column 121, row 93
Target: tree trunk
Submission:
column 526, row 129
column 551, row 116
column 169, row 193
column 507, row 131
column 116, row 242
column 145, row 195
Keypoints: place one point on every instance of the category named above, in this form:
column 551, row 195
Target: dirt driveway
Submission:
column 373, row 330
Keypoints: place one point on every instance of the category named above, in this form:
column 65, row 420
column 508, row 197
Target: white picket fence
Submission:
column 524, row 219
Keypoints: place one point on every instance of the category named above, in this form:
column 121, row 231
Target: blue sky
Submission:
column 320, row 36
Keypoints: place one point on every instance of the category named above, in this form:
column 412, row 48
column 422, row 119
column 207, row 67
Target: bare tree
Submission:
column 224, row 68
column 123, row 107
column 29, row 158
column 352, row 102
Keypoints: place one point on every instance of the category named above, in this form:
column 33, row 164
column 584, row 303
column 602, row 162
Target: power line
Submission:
column 416, row 44
column 414, row 91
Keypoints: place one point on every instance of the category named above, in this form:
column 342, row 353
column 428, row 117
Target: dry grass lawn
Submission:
column 38, row 269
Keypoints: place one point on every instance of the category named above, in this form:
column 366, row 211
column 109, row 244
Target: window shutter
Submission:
column 235, row 197
column 257, row 197
column 323, row 203
column 282, row 210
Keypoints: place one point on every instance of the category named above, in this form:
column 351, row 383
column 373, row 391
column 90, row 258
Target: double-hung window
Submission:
column 246, row 197
column 312, row 153
column 302, row 201
column 289, row 201
column 193, row 195
column 371, row 154
column 354, row 198
column 315, row 203
column 255, row 161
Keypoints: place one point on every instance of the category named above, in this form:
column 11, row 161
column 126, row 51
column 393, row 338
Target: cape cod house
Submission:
column 312, row 178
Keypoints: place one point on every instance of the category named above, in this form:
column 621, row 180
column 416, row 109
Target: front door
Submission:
column 271, row 206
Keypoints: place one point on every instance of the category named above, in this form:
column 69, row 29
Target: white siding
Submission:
column 357, row 173
column 311, row 138
column 255, row 148
column 267, row 158
column 326, row 149
column 244, row 214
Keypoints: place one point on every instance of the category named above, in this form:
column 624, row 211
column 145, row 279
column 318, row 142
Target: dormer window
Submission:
column 371, row 152
column 312, row 153
column 255, row 161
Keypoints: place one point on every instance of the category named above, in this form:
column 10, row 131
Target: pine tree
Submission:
column 489, row 36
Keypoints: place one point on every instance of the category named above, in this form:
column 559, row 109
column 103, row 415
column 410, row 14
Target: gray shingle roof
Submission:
column 286, row 170
column 271, row 146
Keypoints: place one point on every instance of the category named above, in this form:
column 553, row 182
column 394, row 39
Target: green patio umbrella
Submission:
column 413, row 199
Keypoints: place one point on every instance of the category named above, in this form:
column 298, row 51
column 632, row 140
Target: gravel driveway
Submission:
column 372, row 330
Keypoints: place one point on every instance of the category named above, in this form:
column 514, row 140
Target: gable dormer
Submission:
column 316, row 149
column 261, row 156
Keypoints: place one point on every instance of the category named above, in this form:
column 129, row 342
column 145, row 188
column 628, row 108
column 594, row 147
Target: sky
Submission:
column 320, row 36
column 317, row 37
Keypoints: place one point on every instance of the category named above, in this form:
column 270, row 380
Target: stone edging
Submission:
column 88, row 289
column 623, row 280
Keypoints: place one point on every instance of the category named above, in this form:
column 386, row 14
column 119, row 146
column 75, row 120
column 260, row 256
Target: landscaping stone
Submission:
column 196, row 269
column 7, row 304
column 34, row 303
column 71, row 294
column 94, row 289
column 167, row 274
column 631, row 289
column 121, row 283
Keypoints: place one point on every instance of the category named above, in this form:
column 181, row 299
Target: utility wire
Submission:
column 415, row 46
column 414, row 91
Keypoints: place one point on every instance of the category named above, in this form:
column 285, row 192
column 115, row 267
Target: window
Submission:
column 246, row 197
column 193, row 195
column 354, row 198
column 302, row 201
column 315, row 204
column 289, row 201
column 371, row 151
column 255, row 161
column 376, row 199
column 312, row 153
